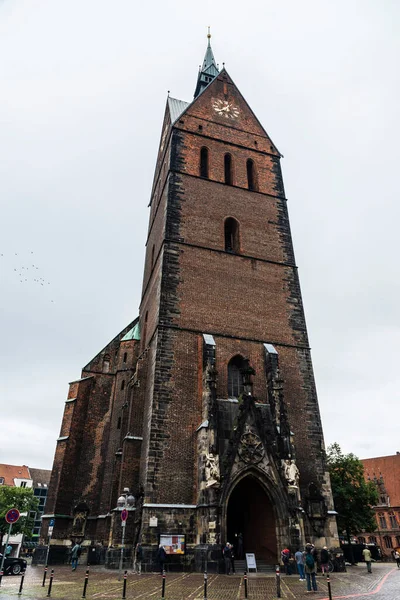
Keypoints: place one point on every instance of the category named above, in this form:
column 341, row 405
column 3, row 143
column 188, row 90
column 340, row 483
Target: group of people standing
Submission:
column 306, row 561
column 229, row 558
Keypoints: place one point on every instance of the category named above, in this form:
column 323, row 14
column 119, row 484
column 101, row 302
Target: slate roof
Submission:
column 40, row 476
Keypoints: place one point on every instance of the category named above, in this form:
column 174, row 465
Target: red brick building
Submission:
column 206, row 406
column 385, row 471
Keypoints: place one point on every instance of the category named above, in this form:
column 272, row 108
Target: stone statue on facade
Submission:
column 291, row 473
column 211, row 470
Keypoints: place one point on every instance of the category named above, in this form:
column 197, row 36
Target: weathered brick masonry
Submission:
column 211, row 393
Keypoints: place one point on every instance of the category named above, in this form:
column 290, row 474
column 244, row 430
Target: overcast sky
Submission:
column 83, row 90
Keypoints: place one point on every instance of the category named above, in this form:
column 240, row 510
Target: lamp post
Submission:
column 126, row 502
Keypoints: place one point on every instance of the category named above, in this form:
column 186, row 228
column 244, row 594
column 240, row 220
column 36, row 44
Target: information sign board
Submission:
column 251, row 561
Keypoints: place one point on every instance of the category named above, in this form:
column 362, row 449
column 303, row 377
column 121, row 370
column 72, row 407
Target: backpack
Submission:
column 310, row 562
column 79, row 551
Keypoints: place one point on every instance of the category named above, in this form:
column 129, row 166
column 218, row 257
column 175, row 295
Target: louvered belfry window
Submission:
column 235, row 377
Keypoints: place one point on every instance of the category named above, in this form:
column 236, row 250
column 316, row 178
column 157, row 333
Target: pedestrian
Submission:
column 137, row 565
column 240, row 546
column 285, row 556
column 227, row 552
column 397, row 558
column 310, row 568
column 324, row 561
column 232, row 558
column 8, row 550
column 299, row 557
column 162, row 557
column 75, row 554
column 367, row 557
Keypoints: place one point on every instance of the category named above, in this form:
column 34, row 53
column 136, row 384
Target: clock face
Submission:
column 225, row 108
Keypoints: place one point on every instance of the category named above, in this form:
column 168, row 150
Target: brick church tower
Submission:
column 217, row 432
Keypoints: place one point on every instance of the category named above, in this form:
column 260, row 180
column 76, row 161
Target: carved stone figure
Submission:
column 291, row 472
column 78, row 527
column 251, row 449
column 212, row 470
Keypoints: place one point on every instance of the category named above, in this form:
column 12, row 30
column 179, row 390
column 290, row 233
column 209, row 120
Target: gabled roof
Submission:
column 133, row 334
column 40, row 476
column 11, row 472
column 176, row 108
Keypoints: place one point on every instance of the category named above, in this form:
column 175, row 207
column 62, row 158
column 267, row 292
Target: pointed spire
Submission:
column 208, row 70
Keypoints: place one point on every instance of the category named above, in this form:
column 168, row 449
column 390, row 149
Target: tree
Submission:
column 22, row 499
column 352, row 495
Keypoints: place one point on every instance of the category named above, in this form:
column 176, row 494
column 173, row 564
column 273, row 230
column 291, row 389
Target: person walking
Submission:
column 397, row 558
column 137, row 565
column 75, row 554
column 232, row 558
column 162, row 557
column 285, row 556
column 299, row 557
column 310, row 568
column 227, row 552
column 324, row 561
column 367, row 557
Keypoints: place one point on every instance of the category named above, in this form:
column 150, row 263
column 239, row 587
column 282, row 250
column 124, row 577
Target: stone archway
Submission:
column 251, row 514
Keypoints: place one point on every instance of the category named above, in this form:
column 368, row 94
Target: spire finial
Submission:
column 209, row 35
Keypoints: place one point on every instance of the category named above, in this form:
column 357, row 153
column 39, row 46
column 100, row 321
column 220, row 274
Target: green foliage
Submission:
column 22, row 499
column 352, row 495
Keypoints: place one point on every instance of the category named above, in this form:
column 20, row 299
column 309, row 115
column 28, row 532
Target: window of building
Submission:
column 106, row 363
column 204, row 163
column 372, row 539
column 119, row 423
column 251, row 175
column 393, row 521
column 36, row 531
column 383, row 500
column 382, row 521
column 228, row 169
column 235, row 378
column 125, row 357
column 1, row 480
column 23, row 484
column 143, row 337
column 152, row 255
column 361, row 540
column 123, row 385
column 232, row 243
column 387, row 540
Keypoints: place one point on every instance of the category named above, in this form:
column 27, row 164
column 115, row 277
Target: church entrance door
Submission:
column 251, row 523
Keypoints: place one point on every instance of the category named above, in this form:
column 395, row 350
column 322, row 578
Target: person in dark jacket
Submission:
column 227, row 552
column 324, row 560
column 162, row 557
column 137, row 566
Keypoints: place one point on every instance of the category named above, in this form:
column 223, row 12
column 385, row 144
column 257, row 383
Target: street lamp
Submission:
column 126, row 502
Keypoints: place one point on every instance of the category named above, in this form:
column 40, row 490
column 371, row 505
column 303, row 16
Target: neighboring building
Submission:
column 25, row 477
column 385, row 472
column 204, row 407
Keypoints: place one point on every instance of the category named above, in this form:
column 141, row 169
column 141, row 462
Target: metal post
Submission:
column 50, row 583
column 4, row 553
column 21, row 585
column 121, row 559
column 163, row 586
column 245, row 585
column 124, row 588
column 205, row 585
column 44, row 576
column 328, row 581
column 85, row 584
column 278, row 581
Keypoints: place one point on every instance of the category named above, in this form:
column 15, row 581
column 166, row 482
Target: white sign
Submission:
column 50, row 530
column 251, row 561
column 212, row 525
column 153, row 522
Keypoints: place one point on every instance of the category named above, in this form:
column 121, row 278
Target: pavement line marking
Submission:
column 375, row 591
column 209, row 584
column 157, row 591
column 287, row 588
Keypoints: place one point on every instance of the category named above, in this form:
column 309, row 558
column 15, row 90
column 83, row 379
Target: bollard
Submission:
column 278, row 581
column 245, row 585
column 1, row 575
column 85, row 584
column 124, row 588
column 44, row 576
column 205, row 585
column 163, row 586
column 50, row 583
column 21, row 584
column 328, row 581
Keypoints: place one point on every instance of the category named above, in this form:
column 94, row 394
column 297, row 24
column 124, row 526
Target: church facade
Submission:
column 205, row 407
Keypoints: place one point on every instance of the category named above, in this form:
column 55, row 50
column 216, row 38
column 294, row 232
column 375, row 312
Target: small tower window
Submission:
column 251, row 175
column 119, row 423
column 145, row 330
column 204, row 163
column 125, row 356
column 152, row 256
column 232, row 236
column 228, row 169
column 235, row 378
column 122, row 385
column 106, row 363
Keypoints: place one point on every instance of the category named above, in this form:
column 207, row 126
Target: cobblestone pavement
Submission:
column 383, row 584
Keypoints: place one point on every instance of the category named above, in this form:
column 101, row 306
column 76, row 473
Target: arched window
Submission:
column 232, row 243
column 123, row 385
column 119, row 423
column 204, row 163
column 372, row 539
column 228, row 169
column 152, row 256
column 143, row 337
column 251, row 175
column 387, row 541
column 235, row 377
column 361, row 540
column 106, row 363
column 125, row 356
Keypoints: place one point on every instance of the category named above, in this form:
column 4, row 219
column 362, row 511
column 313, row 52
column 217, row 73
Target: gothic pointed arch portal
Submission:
column 251, row 521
